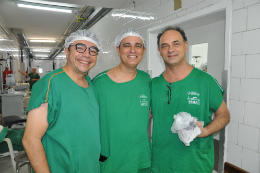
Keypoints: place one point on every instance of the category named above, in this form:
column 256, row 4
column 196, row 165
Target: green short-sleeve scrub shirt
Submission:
column 124, row 118
column 32, row 76
column 72, row 140
column 199, row 94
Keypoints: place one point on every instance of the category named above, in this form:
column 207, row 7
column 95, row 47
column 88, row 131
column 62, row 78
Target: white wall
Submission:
column 244, row 129
column 46, row 65
column 60, row 63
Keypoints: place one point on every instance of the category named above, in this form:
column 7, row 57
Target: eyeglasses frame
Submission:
column 85, row 48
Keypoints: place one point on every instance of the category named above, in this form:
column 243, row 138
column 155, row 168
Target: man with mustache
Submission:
column 123, row 97
column 62, row 131
column 183, row 88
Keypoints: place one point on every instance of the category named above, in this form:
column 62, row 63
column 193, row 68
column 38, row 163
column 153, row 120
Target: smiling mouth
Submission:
column 172, row 55
column 84, row 62
column 132, row 56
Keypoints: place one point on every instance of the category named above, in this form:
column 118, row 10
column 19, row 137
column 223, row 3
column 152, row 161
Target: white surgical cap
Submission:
column 126, row 33
column 83, row 35
column 203, row 66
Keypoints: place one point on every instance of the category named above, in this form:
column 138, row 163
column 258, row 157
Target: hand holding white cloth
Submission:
column 185, row 125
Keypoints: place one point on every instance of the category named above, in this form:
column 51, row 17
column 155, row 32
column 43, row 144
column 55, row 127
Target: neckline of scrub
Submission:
column 86, row 77
column 192, row 74
column 137, row 72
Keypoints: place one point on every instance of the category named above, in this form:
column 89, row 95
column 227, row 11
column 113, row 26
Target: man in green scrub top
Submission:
column 123, row 97
column 62, row 131
column 183, row 88
column 34, row 76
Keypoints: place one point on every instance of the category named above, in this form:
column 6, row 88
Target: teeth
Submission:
column 84, row 62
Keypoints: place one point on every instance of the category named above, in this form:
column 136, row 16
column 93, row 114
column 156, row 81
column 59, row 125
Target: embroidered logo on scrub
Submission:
column 193, row 98
column 143, row 100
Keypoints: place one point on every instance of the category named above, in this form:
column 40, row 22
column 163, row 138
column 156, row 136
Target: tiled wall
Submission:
column 142, row 15
column 244, row 128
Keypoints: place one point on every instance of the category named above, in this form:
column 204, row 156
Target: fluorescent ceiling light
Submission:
column 9, row 50
column 143, row 17
column 39, row 55
column 19, row 55
column 47, row 41
column 41, row 50
column 3, row 39
column 43, row 7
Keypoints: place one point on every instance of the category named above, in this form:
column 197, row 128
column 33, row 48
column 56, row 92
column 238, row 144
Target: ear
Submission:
column 66, row 50
column 186, row 46
column 144, row 50
column 118, row 51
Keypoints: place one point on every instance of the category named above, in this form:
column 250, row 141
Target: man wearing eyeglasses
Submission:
column 123, row 97
column 183, row 88
column 62, row 131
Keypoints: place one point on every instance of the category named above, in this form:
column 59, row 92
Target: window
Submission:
column 40, row 70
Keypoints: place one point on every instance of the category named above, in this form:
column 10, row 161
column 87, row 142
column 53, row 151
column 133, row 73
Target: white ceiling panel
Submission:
column 40, row 24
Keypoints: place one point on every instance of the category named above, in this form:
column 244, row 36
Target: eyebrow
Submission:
column 135, row 44
column 176, row 41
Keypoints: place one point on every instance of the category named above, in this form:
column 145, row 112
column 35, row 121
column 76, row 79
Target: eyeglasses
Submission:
column 168, row 96
column 81, row 48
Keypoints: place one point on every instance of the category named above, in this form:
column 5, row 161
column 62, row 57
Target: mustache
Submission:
column 173, row 53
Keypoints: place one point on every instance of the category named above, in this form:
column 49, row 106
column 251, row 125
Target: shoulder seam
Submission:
column 50, row 83
column 98, row 77
column 213, row 78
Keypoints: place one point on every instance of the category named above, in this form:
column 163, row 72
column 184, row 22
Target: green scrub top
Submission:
column 199, row 94
column 72, row 140
column 124, row 118
column 32, row 76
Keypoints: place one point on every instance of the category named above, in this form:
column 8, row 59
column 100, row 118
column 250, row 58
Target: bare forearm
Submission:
column 36, row 155
column 221, row 120
column 23, row 73
column 217, row 124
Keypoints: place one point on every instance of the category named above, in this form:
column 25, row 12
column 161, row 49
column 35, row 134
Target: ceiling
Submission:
column 47, row 25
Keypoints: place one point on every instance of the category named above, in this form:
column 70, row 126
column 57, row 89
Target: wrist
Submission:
column 207, row 133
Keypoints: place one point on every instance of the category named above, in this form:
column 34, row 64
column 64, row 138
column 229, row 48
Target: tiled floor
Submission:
column 7, row 167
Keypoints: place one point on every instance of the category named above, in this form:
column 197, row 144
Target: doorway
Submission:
column 210, row 27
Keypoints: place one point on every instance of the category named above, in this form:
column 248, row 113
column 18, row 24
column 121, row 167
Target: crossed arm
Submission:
column 36, row 127
column 35, row 79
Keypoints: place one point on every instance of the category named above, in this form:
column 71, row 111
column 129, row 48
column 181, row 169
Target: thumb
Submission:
column 199, row 124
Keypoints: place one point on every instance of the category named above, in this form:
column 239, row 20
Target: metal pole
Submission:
column 21, row 53
column 2, row 80
column 53, row 64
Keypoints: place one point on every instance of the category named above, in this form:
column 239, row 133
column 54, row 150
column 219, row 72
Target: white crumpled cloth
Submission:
column 185, row 125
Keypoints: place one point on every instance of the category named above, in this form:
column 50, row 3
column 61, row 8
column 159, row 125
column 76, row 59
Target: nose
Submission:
column 132, row 49
column 171, row 48
column 86, row 53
